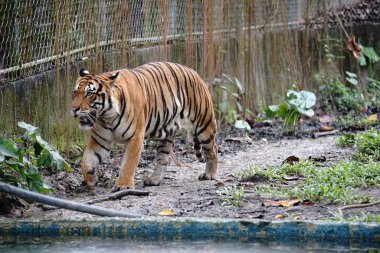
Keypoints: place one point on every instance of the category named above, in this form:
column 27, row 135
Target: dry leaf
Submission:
column 372, row 117
column 326, row 128
column 308, row 203
column 284, row 203
column 280, row 216
column 354, row 47
column 270, row 203
column 288, row 203
column 167, row 212
column 291, row 160
column 326, row 119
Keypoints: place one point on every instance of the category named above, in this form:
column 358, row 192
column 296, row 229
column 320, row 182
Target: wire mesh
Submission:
column 37, row 35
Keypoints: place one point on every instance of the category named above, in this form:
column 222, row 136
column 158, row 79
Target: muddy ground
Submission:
column 182, row 193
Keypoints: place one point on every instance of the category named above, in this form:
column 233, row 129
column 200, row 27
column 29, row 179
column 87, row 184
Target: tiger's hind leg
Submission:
column 197, row 149
column 163, row 150
column 208, row 144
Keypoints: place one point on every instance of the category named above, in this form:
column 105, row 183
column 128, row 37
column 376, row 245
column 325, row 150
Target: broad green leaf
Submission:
column 370, row 53
column 352, row 81
column 308, row 112
column 45, row 159
column 308, row 98
column 242, row 124
column 7, row 148
column 351, row 74
column 294, row 98
column 2, row 158
column 31, row 130
column 271, row 111
column 283, row 110
column 57, row 158
column 273, row 108
column 17, row 167
column 362, row 60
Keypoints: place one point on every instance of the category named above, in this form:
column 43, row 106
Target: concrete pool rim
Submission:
column 346, row 234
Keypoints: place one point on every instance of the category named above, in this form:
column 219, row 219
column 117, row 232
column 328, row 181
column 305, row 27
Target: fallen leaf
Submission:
column 354, row 47
column 280, row 216
column 372, row 117
column 271, row 203
column 326, row 128
column 326, row 119
column 290, row 177
column 308, row 203
column 291, row 160
column 284, row 203
column 167, row 212
column 287, row 203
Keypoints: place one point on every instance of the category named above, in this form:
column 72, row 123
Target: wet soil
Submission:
column 183, row 193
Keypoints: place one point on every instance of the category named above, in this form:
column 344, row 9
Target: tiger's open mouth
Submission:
column 85, row 121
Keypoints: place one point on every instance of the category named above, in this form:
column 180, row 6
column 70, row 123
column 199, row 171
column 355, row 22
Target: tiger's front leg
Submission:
column 130, row 161
column 94, row 153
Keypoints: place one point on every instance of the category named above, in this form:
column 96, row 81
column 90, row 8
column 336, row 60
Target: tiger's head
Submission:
column 93, row 98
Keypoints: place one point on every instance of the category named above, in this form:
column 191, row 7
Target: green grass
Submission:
column 335, row 184
column 234, row 196
column 367, row 144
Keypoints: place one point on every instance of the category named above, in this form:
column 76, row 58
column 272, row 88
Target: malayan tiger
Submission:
column 153, row 100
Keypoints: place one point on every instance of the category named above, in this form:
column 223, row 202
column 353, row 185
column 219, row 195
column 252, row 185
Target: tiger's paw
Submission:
column 206, row 176
column 120, row 188
column 152, row 181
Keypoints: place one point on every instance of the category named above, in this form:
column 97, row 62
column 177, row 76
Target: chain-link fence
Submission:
column 37, row 35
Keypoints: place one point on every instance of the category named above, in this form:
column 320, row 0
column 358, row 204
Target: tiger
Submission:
column 155, row 101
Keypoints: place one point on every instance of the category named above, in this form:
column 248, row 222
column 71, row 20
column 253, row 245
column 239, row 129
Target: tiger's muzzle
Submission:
column 86, row 118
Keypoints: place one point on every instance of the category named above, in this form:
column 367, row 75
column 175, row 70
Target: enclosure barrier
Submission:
column 291, row 233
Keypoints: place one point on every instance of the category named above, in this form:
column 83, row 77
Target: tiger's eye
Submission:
column 74, row 94
column 88, row 94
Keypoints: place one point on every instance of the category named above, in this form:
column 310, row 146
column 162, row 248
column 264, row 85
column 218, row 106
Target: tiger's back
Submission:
column 155, row 100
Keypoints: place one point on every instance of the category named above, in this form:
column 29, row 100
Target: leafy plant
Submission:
column 297, row 103
column 337, row 95
column 230, row 108
column 242, row 124
column 234, row 196
column 23, row 157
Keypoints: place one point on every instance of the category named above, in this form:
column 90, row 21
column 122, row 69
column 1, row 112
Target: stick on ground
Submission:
column 340, row 210
column 112, row 196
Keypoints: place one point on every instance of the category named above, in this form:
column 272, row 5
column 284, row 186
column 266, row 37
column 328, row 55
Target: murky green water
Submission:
column 120, row 246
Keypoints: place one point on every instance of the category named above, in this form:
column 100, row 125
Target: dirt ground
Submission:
column 181, row 191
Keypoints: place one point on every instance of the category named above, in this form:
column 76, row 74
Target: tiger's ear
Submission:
column 114, row 76
column 83, row 72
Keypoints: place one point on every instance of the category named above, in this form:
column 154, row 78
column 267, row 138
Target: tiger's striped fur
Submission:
column 153, row 100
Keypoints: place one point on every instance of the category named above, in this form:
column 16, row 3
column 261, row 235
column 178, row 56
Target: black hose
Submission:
column 62, row 203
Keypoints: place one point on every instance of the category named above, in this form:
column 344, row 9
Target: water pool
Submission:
column 107, row 246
